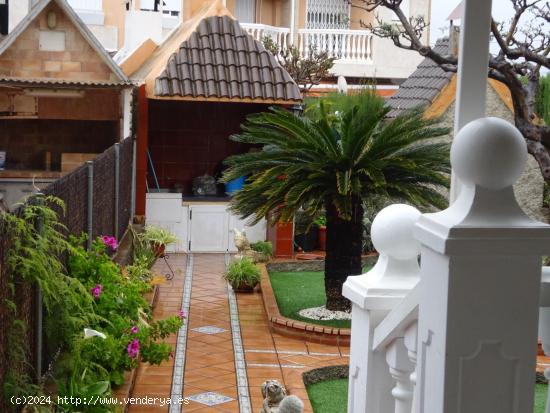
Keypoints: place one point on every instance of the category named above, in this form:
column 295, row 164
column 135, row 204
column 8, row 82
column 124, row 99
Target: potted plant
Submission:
column 159, row 238
column 242, row 274
column 321, row 222
column 305, row 236
column 264, row 249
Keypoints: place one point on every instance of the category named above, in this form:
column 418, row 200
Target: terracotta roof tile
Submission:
column 220, row 60
column 423, row 86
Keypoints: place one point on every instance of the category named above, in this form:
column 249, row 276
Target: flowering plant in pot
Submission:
column 159, row 238
column 242, row 274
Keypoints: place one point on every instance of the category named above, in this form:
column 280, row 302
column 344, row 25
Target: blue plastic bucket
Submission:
column 234, row 185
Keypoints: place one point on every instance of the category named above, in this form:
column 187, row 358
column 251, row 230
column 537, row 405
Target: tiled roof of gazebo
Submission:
column 220, row 60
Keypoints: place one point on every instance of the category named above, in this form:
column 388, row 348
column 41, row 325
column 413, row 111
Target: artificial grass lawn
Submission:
column 331, row 396
column 295, row 291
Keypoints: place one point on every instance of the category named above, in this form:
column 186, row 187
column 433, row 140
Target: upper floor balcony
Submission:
column 358, row 53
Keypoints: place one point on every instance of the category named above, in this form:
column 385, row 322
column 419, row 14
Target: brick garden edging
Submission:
column 298, row 329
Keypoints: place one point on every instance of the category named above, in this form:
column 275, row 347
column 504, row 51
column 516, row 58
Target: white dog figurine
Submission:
column 276, row 400
column 243, row 246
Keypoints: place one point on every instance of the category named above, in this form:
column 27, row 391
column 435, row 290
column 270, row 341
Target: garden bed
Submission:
column 306, row 330
column 290, row 286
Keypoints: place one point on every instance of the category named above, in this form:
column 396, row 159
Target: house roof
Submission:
column 79, row 24
column 423, row 85
column 212, row 58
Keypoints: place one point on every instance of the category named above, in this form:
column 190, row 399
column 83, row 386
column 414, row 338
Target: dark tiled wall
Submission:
column 189, row 139
column 27, row 140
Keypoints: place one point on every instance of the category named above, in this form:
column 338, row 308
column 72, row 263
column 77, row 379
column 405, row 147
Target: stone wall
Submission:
column 530, row 186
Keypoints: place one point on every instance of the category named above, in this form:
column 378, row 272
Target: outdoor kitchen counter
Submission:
column 205, row 200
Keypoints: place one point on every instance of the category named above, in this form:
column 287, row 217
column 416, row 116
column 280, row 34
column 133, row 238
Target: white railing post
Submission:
column 481, row 274
column 400, row 370
column 373, row 295
column 411, row 343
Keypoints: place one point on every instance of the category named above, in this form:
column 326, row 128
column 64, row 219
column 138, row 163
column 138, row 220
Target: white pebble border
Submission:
column 321, row 313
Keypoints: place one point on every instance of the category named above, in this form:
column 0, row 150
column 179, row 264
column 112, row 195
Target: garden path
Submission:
column 215, row 346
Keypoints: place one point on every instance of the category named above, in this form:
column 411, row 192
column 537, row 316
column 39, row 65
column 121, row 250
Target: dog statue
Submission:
column 243, row 246
column 276, row 400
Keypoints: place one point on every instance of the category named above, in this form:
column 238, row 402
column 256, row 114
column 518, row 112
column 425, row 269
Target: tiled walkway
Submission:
column 210, row 378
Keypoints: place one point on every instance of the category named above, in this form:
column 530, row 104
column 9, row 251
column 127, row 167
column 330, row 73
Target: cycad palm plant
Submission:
column 341, row 153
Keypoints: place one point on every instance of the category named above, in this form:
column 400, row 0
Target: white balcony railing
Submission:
column 280, row 35
column 344, row 45
column 458, row 334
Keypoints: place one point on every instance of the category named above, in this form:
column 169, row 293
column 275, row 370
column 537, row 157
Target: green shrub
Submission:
column 263, row 247
column 241, row 272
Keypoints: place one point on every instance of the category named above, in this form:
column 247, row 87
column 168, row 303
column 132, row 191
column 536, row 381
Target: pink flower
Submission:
column 110, row 241
column 134, row 330
column 182, row 314
column 133, row 348
column 96, row 291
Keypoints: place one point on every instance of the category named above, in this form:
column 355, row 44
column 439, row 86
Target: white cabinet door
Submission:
column 165, row 210
column 208, row 228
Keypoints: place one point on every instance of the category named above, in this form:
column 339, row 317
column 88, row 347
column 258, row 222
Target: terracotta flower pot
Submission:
column 322, row 237
column 244, row 288
column 159, row 250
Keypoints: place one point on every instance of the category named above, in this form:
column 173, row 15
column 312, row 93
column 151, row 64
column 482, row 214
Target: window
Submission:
column 328, row 14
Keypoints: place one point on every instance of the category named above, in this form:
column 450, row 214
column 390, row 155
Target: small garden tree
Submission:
column 336, row 156
column 523, row 50
column 306, row 71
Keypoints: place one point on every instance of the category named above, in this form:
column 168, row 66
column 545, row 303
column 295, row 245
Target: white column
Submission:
column 472, row 68
column 126, row 113
column 373, row 295
column 481, row 272
column 293, row 22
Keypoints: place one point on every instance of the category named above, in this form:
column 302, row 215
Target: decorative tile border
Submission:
column 210, row 398
column 209, row 330
column 181, row 344
column 238, row 351
column 288, row 366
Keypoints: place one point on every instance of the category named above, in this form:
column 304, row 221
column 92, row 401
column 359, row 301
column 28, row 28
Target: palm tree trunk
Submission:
column 344, row 249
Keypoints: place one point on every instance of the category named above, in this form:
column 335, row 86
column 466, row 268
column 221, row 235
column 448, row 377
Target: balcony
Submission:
column 358, row 53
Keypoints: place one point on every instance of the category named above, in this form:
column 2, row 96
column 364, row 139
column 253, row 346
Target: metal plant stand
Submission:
column 169, row 276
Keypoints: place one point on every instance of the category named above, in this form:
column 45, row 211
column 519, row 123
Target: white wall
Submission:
column 17, row 11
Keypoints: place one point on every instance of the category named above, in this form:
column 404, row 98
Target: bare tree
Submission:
column 306, row 71
column 524, row 47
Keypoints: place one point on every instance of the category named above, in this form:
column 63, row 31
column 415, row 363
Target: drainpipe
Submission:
column 293, row 22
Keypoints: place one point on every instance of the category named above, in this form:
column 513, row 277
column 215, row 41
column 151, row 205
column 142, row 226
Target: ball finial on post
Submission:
column 490, row 153
column 392, row 232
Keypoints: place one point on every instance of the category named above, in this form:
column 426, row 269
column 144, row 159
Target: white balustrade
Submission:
column 384, row 306
column 342, row 44
column 280, row 35
column 458, row 334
